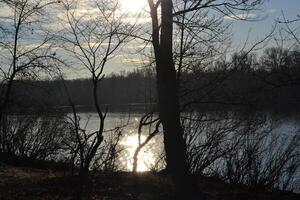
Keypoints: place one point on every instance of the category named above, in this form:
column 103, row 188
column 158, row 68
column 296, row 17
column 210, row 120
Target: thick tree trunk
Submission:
column 168, row 96
column 168, row 101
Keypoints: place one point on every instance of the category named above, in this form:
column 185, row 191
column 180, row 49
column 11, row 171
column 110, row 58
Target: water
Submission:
column 213, row 139
column 150, row 156
column 152, row 153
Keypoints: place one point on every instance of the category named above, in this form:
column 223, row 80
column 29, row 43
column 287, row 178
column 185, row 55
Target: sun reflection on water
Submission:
column 146, row 157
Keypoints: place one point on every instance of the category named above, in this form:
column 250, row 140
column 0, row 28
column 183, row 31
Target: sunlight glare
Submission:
column 145, row 158
column 133, row 6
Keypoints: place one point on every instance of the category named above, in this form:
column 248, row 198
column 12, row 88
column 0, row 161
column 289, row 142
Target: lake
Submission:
column 151, row 156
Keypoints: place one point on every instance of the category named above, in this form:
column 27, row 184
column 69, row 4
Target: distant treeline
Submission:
column 116, row 91
column 270, row 82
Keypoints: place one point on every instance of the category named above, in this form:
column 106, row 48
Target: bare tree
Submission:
column 291, row 27
column 81, row 143
column 92, row 41
column 146, row 120
column 206, row 136
column 283, row 59
column 22, row 55
column 26, row 47
column 167, row 84
column 262, row 158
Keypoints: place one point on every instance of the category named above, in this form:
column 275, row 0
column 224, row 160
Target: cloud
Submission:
column 134, row 61
column 136, row 19
column 244, row 16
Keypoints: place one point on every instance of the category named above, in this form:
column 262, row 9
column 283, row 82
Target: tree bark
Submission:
column 168, row 100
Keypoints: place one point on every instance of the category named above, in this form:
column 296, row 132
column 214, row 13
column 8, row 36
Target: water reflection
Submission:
column 146, row 157
column 151, row 154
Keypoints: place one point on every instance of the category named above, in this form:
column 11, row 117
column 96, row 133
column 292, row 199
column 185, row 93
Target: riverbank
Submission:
column 24, row 183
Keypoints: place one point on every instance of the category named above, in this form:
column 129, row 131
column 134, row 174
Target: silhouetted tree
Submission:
column 22, row 58
column 146, row 120
column 167, row 84
column 92, row 42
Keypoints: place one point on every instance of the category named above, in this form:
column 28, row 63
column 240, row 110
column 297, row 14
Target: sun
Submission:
column 133, row 6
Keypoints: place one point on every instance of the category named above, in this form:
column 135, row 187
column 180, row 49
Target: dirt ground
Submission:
column 19, row 183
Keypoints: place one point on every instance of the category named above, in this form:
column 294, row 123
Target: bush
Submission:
column 36, row 137
column 247, row 149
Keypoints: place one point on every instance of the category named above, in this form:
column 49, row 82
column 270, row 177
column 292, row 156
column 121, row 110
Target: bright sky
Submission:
column 133, row 5
column 271, row 10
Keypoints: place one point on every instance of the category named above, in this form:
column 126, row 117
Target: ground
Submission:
column 21, row 183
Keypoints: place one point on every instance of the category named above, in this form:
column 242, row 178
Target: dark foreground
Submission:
column 40, row 184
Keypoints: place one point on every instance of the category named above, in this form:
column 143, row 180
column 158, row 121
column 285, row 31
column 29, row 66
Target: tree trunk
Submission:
column 168, row 102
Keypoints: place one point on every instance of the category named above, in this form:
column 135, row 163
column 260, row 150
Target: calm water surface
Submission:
column 150, row 156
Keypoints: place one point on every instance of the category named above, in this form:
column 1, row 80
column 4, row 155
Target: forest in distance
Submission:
column 269, row 82
column 149, row 100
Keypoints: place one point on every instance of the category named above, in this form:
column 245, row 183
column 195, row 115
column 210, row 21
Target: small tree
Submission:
column 92, row 41
column 26, row 48
column 146, row 120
